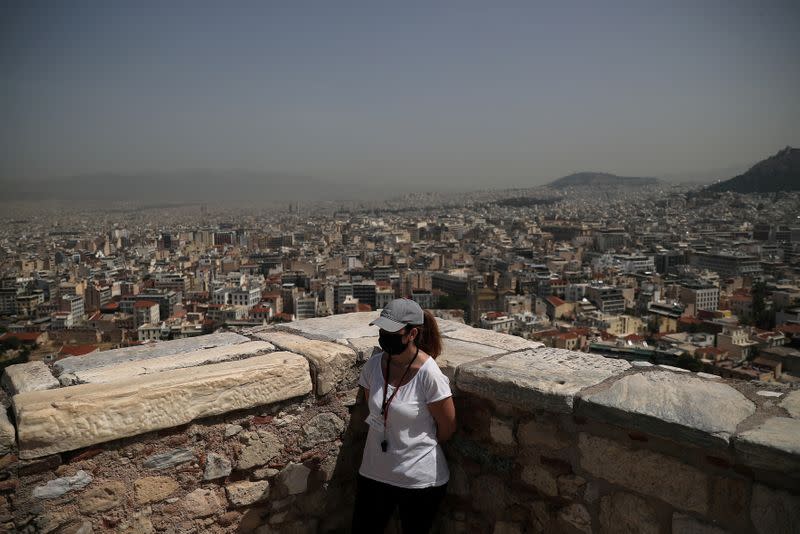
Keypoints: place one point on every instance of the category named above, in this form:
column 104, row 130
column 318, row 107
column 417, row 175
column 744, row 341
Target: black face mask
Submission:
column 391, row 343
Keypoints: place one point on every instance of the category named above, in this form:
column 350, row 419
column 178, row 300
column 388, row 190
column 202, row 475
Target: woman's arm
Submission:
column 444, row 413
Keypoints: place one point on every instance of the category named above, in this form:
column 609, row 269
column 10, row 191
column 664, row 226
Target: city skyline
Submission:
column 445, row 96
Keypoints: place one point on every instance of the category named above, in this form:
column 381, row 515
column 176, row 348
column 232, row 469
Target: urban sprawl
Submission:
column 667, row 274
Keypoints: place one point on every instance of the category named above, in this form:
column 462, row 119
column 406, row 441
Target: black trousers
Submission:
column 376, row 501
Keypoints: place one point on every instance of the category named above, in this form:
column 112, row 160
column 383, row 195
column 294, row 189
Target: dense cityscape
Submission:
column 665, row 273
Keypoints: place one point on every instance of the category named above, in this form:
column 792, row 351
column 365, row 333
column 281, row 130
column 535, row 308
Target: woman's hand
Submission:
column 444, row 413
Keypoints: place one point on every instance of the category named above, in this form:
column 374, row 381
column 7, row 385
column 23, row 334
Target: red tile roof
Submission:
column 555, row 301
column 77, row 350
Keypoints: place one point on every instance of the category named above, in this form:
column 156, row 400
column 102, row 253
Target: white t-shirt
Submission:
column 414, row 458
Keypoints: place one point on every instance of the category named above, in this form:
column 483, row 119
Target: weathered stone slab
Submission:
column 173, row 361
column 71, row 365
column 538, row 379
column 31, row 376
column 365, row 347
column 792, row 403
column 456, row 353
column 69, row 418
column 774, row 511
column 773, row 445
column 675, row 406
column 331, row 362
column 769, row 394
column 506, row 342
column 60, row 486
column 344, row 326
column 641, row 363
column 645, row 472
column 217, row 466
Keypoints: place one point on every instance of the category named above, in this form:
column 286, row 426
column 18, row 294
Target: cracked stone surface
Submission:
column 66, row 368
column 773, row 445
column 173, row 361
column 456, row 353
column 332, row 362
column 671, row 405
column 505, row 342
column 538, row 379
column 31, row 376
column 64, row 419
column 345, row 326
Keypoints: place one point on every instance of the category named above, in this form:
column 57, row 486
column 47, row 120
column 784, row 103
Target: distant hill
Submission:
column 780, row 172
column 600, row 179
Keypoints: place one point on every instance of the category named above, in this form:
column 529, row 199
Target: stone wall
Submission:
column 260, row 431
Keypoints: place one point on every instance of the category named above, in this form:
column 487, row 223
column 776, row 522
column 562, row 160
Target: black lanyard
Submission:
column 385, row 404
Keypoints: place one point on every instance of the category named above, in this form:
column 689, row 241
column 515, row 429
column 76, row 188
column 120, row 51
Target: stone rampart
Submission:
column 262, row 431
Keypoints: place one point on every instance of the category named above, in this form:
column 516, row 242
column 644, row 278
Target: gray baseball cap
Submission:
column 398, row 313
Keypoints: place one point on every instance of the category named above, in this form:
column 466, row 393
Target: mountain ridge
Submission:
column 780, row 172
column 587, row 178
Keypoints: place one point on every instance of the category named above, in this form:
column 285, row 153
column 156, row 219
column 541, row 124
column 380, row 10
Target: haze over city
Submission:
column 444, row 95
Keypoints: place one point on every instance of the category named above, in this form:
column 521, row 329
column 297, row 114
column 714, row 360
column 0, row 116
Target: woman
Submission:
column 410, row 413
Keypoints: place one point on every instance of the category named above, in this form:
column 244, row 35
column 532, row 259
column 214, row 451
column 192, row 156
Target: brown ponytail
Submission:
column 429, row 338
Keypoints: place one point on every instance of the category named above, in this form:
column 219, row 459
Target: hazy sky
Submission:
column 471, row 93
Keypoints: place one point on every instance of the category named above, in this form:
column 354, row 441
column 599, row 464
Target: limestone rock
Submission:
column 538, row 379
column 30, row 376
column 489, row 495
column 69, row 418
column 232, row 430
column 321, row 428
column 67, row 368
column 202, row 502
column 570, row 486
column 502, row 431
column 60, row 486
column 671, row 405
column 217, row 466
column 542, row 433
column 331, row 362
column 204, row 356
column 646, row 472
column 623, row 513
column 684, row 524
column 168, row 459
column 294, row 478
column 259, row 452
column 8, row 435
column 641, row 363
column 153, row 489
column 774, row 511
column 102, row 497
column 541, row 479
column 773, row 445
column 490, row 338
column 674, row 369
column 344, row 326
column 578, row 516
column 456, row 353
column 245, row 493
column 792, row 404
